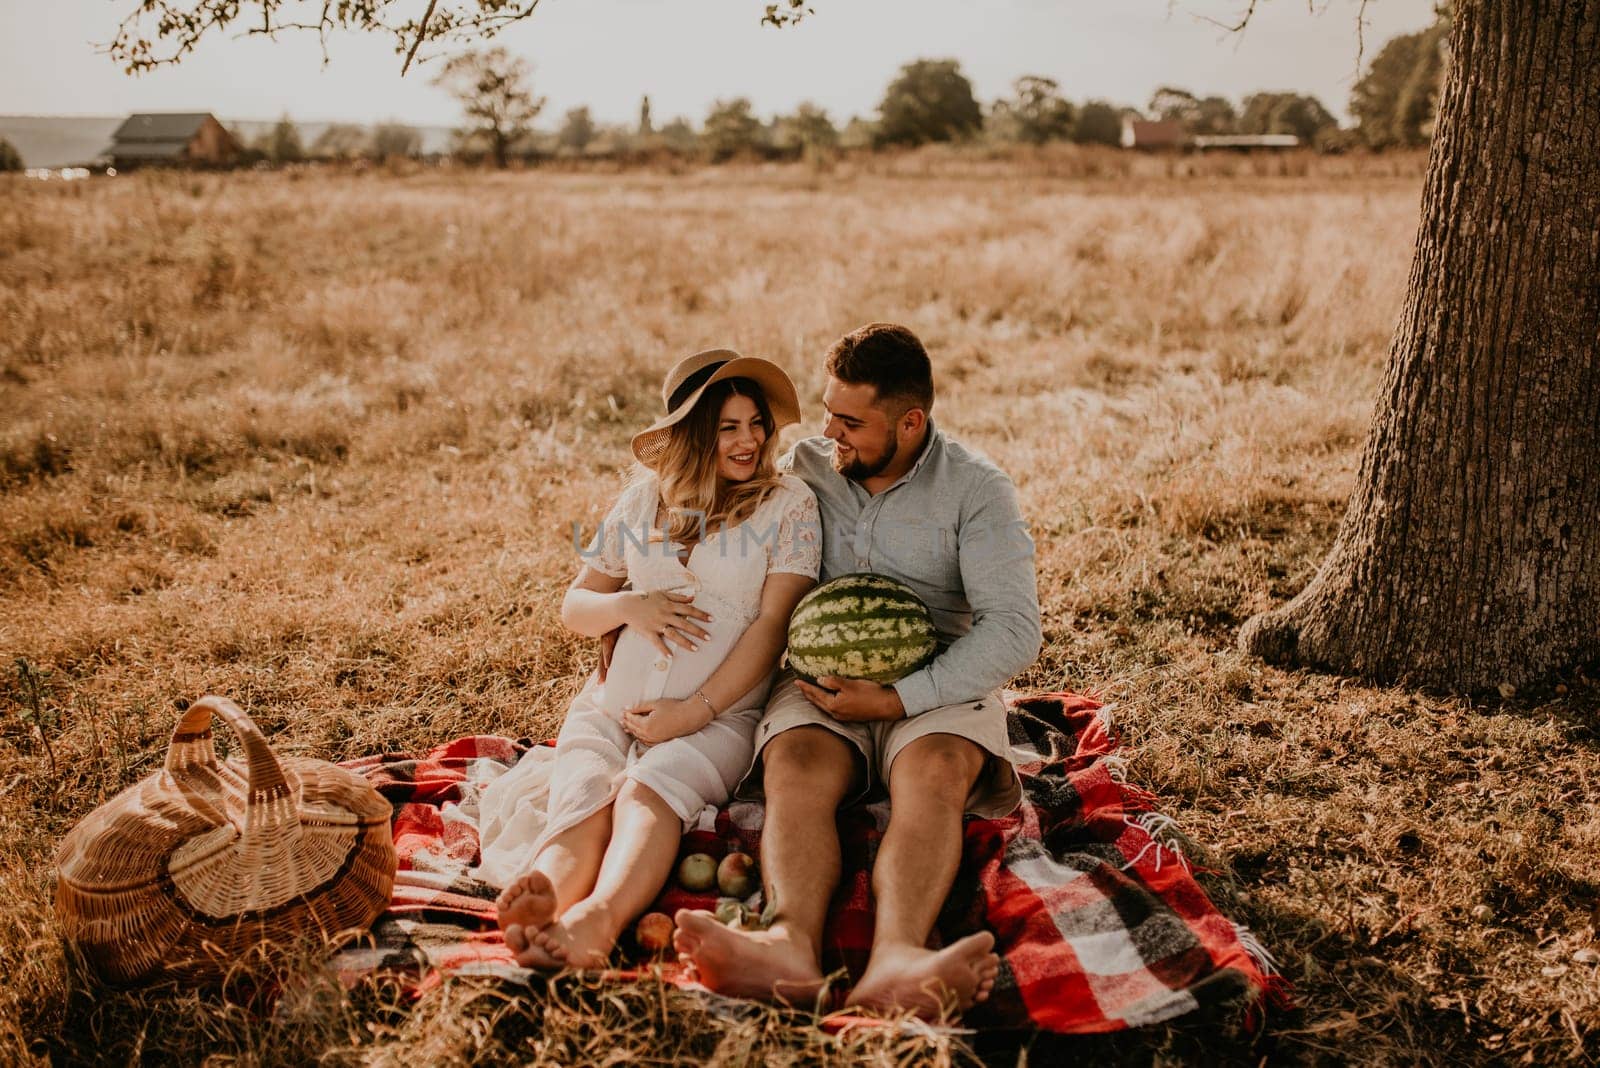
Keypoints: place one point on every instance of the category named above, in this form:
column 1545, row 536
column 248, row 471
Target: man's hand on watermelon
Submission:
column 854, row 700
column 662, row 720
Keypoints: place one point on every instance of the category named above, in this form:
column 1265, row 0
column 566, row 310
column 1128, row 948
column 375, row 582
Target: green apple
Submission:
column 697, row 873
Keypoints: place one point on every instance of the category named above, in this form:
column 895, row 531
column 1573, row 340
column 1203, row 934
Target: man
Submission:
column 898, row 498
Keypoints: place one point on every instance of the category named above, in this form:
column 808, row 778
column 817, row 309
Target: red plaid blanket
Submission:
column 1099, row 923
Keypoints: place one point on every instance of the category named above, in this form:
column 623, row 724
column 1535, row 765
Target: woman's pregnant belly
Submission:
column 640, row 672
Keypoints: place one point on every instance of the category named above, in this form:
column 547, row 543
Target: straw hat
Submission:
column 693, row 375
column 190, row 869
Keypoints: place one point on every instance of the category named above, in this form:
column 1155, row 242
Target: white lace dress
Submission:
column 547, row 793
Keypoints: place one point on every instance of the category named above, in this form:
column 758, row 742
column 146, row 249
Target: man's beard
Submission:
column 857, row 469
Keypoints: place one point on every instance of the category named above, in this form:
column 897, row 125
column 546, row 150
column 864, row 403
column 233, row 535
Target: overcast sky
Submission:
column 687, row 53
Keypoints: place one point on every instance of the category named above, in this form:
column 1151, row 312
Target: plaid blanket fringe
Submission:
column 1098, row 920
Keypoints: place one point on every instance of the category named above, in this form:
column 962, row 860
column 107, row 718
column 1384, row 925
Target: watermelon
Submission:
column 860, row 626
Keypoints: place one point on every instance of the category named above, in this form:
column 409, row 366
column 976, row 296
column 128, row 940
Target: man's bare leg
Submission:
column 916, row 866
column 563, row 872
column 644, row 842
column 806, row 773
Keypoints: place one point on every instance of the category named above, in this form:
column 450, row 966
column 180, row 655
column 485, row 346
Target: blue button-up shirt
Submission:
column 950, row 529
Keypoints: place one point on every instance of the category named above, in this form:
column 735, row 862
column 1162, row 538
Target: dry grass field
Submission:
column 317, row 441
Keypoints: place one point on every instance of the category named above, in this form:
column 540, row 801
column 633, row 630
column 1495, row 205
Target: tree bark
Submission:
column 1469, row 556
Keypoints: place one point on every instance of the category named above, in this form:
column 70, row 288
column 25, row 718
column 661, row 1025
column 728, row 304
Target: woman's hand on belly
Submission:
column 665, row 617
column 654, row 722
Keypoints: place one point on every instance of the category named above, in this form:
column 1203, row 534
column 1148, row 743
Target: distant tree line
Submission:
column 929, row 101
column 283, row 143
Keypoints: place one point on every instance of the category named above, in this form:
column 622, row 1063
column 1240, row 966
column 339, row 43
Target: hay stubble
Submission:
column 316, row 441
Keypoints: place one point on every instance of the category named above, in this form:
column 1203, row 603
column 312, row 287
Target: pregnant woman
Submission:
column 718, row 548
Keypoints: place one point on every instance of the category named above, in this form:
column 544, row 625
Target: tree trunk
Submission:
column 1469, row 557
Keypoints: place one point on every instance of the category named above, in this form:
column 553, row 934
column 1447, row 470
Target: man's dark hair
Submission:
column 888, row 358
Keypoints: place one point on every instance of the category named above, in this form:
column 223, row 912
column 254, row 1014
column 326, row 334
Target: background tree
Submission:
column 730, row 130
column 10, row 158
column 1034, row 113
column 1098, row 123
column 394, row 140
column 341, row 140
column 1205, row 116
column 1394, row 102
column 679, row 135
column 858, row 133
column 646, row 127
column 1286, row 113
column 615, row 139
column 577, row 131
column 1469, row 556
column 807, row 132
column 1171, row 104
column 249, row 147
column 496, row 91
column 929, row 100
column 1214, row 115
column 281, row 143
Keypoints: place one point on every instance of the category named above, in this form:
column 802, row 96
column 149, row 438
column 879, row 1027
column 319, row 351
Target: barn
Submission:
column 173, row 139
column 1153, row 134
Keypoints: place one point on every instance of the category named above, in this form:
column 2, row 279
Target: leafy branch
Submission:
column 787, row 13
column 162, row 32
column 159, row 33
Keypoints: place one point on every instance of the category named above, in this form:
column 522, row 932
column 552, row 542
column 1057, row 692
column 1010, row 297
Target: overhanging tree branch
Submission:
column 422, row 33
column 159, row 33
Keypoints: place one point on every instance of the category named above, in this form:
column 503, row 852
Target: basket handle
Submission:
column 269, row 803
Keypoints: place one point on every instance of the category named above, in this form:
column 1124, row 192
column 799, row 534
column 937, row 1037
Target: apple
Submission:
column 654, row 932
column 730, row 911
column 697, row 873
column 736, row 875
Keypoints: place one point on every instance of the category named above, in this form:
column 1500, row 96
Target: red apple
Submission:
column 654, row 932
column 736, row 875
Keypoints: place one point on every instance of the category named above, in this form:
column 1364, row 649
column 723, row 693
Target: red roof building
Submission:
column 1153, row 134
column 188, row 139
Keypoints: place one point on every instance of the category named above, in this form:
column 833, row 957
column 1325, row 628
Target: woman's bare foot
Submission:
column 774, row 965
column 930, row 983
column 525, row 907
column 583, row 937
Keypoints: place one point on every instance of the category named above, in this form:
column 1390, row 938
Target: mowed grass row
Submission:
column 318, row 441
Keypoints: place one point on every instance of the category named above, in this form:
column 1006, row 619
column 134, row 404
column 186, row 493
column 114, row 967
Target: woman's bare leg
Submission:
column 645, row 833
column 591, row 753
column 563, row 872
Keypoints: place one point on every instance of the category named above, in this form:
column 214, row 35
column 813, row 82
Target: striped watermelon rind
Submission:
column 861, row 626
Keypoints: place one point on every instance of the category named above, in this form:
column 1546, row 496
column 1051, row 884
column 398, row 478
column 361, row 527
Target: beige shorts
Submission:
column 997, row 792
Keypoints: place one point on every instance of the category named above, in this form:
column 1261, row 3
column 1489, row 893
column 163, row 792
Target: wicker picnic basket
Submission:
column 188, row 870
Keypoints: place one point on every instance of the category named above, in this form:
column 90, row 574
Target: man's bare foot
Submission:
column 583, row 937
column 525, row 907
column 930, row 983
column 774, row 965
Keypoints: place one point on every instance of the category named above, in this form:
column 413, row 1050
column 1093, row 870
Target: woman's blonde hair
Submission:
column 698, row 500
